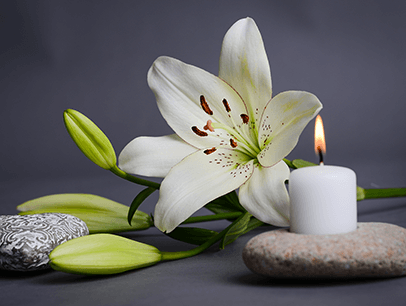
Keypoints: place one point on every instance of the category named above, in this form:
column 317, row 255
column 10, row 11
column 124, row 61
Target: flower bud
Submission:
column 101, row 215
column 102, row 254
column 90, row 139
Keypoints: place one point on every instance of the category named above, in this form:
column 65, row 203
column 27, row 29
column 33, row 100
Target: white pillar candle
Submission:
column 323, row 200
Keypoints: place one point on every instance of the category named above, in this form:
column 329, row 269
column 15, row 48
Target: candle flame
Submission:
column 319, row 141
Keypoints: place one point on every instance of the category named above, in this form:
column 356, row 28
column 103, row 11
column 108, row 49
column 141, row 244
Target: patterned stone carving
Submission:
column 26, row 241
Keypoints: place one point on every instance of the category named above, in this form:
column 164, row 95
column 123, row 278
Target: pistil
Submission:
column 208, row 126
column 241, row 142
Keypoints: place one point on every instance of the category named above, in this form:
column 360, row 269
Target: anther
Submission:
column 199, row 132
column 226, row 105
column 205, row 106
column 245, row 118
column 208, row 126
column 233, row 143
column 209, row 151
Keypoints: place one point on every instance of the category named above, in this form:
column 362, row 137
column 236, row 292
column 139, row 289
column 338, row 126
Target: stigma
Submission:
column 208, row 126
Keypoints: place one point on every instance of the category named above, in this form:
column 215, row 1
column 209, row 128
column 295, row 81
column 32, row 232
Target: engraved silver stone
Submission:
column 26, row 241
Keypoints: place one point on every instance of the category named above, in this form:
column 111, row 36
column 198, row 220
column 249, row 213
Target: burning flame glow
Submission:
column 319, row 141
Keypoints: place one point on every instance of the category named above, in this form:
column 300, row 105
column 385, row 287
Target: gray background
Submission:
column 93, row 56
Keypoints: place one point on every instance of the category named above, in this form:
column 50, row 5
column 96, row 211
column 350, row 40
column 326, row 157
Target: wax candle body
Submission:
column 323, row 200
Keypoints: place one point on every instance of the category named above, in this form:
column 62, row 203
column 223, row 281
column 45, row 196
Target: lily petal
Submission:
column 153, row 156
column 197, row 180
column 265, row 196
column 178, row 88
column 283, row 120
column 244, row 65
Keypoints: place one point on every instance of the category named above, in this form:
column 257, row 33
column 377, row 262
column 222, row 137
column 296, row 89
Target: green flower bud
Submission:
column 102, row 254
column 90, row 139
column 101, row 215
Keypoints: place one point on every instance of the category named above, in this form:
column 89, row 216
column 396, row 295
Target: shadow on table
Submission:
column 52, row 277
column 251, row 279
column 12, row 275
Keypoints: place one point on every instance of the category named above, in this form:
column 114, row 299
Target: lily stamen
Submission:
column 198, row 132
column 245, row 118
column 209, row 151
column 244, row 137
column 205, row 105
column 226, row 105
column 244, row 145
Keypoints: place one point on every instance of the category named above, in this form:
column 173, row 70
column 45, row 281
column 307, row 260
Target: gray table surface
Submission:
column 211, row 278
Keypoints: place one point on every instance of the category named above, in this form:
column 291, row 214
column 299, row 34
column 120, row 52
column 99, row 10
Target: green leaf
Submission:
column 233, row 200
column 101, row 215
column 90, row 139
column 192, row 235
column 218, row 208
column 226, row 204
column 289, row 163
column 220, row 216
column 137, row 202
column 102, row 254
column 236, row 230
column 300, row 163
column 253, row 224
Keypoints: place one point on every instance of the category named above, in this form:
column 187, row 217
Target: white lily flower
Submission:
column 230, row 133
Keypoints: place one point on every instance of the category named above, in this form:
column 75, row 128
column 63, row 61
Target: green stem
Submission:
column 384, row 193
column 199, row 249
column 117, row 171
column 215, row 217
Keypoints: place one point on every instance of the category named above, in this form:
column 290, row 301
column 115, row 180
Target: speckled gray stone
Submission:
column 373, row 250
column 26, row 241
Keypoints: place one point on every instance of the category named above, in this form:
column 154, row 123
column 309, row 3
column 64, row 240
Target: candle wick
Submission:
column 320, row 156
